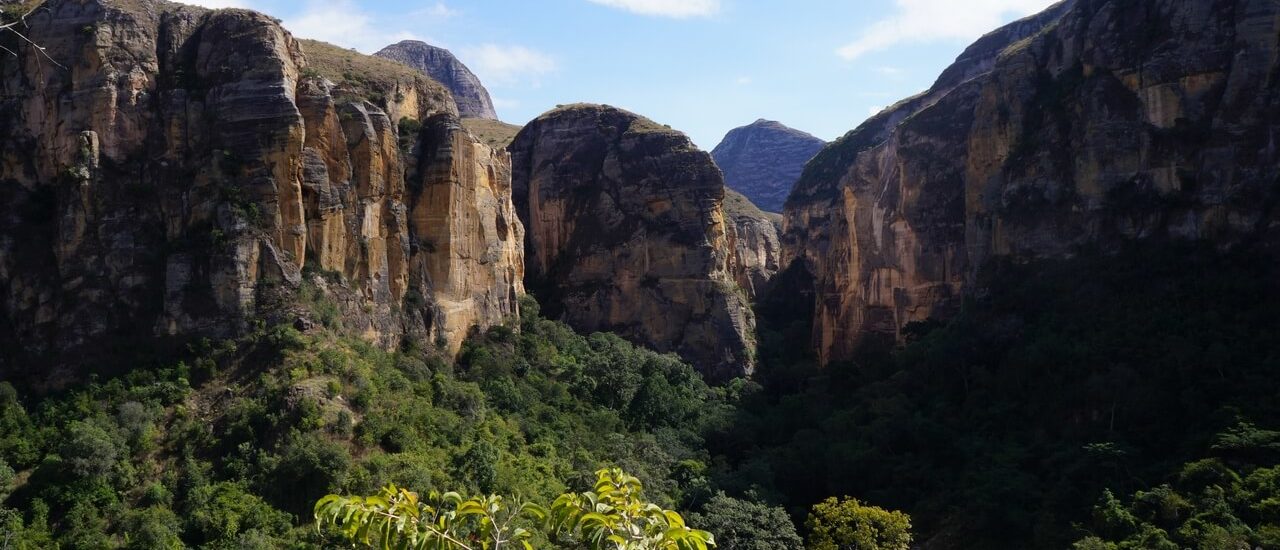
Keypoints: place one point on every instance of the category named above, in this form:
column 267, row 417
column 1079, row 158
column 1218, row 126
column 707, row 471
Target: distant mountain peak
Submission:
column 440, row 64
column 762, row 160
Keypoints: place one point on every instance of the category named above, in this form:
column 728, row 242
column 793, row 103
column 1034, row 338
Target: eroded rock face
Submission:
column 762, row 160
column 472, row 98
column 184, row 171
column 753, row 235
column 468, row 253
column 1090, row 124
column 627, row 233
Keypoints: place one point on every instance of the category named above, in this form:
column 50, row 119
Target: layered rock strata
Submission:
column 1091, row 124
column 627, row 233
column 440, row 64
column 753, row 236
column 173, row 171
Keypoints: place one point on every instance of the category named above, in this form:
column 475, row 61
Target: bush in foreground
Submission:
column 613, row 516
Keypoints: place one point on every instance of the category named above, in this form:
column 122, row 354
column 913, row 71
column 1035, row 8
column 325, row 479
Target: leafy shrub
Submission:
column 90, row 450
column 747, row 525
column 153, row 527
column 224, row 510
column 847, row 523
column 613, row 515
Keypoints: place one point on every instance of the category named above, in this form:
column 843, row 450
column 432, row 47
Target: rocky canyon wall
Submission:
column 753, row 238
column 1092, row 124
column 470, row 95
column 174, row 171
column 627, row 233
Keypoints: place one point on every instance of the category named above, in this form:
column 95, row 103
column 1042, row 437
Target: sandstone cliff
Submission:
column 753, row 237
column 627, row 233
column 472, row 98
column 762, row 160
column 188, row 169
column 1090, row 124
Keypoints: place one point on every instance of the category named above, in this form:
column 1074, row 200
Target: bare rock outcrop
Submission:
column 440, row 64
column 468, row 251
column 627, row 233
column 753, row 235
column 189, row 169
column 1090, row 124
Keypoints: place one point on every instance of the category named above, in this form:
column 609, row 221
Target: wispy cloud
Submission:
column 438, row 10
column 742, row 80
column 342, row 22
column 933, row 20
column 506, row 65
column 678, row 9
column 889, row 71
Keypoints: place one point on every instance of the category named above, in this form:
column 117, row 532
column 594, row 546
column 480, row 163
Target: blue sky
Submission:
column 702, row 66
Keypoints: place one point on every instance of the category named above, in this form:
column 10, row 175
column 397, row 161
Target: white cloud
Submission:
column 342, row 22
column 665, row 8
column 506, row 65
column 437, row 10
column 889, row 71
column 933, row 20
column 742, row 80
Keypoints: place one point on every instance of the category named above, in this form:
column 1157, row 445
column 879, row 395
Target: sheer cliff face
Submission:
column 188, row 167
column 472, row 98
column 1093, row 123
column 753, row 237
column 763, row 160
column 627, row 233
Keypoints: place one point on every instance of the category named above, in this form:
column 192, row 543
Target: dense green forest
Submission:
column 232, row 447
column 1123, row 400
column 1006, row 427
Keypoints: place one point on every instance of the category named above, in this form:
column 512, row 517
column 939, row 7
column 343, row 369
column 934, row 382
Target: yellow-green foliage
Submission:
column 397, row 518
column 836, row 524
column 615, row 516
column 612, row 516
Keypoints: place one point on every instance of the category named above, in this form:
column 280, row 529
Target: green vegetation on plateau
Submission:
column 494, row 133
